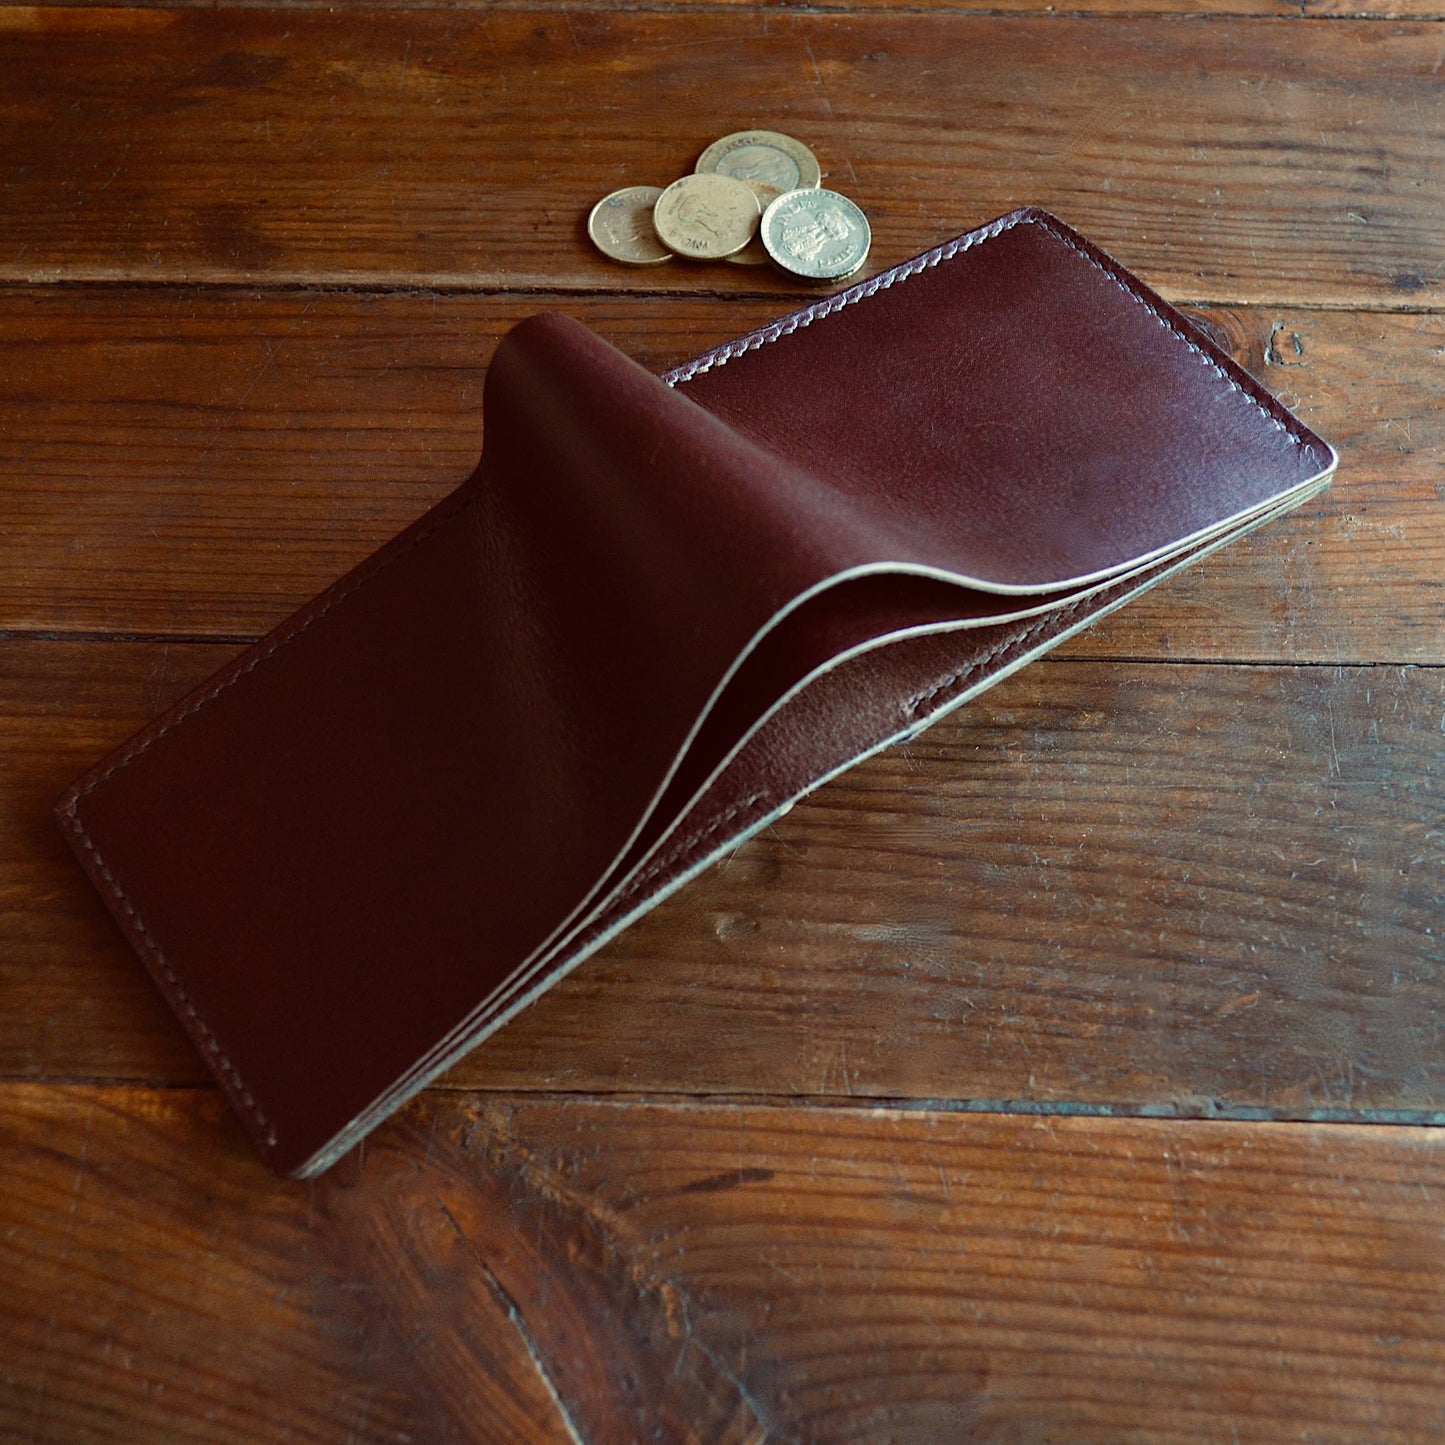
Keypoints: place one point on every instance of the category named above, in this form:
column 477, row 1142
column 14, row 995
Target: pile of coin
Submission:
column 754, row 196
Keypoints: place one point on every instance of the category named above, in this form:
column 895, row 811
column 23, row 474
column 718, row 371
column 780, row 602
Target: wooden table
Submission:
column 1073, row 1074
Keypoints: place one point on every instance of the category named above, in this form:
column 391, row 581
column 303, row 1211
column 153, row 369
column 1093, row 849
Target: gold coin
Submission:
column 762, row 155
column 706, row 217
column 755, row 253
column 620, row 226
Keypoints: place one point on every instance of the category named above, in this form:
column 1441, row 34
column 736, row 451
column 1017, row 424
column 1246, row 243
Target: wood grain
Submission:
column 256, row 446
column 160, row 1288
column 1190, row 889
column 1290, row 9
column 718, row 1273
column 444, row 147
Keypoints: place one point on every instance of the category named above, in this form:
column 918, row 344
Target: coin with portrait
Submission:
column 620, row 226
column 762, row 155
column 706, row 217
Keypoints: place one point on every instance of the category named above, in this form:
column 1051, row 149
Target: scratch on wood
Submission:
column 1234, row 1005
column 626, row 1364
column 518, row 1320
column 818, row 77
column 744, row 1394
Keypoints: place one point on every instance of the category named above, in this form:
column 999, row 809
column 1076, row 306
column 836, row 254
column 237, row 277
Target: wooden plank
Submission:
column 1287, row 9
column 160, row 1286
column 728, row 1274
column 183, row 462
column 297, row 145
column 1188, row 888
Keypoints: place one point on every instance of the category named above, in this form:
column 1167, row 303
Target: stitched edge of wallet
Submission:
column 679, row 851
column 1267, row 406
column 68, row 809
column 69, row 806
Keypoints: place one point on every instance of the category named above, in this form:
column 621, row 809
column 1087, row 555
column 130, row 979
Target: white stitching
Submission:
column 979, row 664
column 734, row 349
column 910, row 707
column 1173, row 330
column 682, row 848
column 728, row 814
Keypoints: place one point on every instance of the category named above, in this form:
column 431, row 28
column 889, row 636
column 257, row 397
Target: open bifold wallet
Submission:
column 660, row 611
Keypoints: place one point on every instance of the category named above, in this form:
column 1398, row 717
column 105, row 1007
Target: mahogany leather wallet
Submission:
column 660, row 611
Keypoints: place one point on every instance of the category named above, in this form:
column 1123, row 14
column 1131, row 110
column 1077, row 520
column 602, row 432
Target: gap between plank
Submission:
column 422, row 288
column 19, row 636
column 1193, row 1110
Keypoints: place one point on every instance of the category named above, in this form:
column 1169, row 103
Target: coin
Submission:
column 620, row 226
column 755, row 253
column 706, row 217
column 761, row 155
column 817, row 234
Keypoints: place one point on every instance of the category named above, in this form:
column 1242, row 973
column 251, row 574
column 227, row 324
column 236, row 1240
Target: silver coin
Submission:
column 620, row 226
column 817, row 234
column 761, row 155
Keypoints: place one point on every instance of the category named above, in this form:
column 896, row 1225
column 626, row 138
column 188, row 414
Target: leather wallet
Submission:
column 659, row 612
